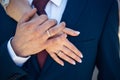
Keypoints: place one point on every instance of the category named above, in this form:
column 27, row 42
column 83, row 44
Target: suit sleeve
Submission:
column 8, row 69
column 108, row 61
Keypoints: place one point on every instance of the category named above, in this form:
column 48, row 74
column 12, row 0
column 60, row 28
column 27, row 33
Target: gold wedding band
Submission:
column 48, row 33
column 59, row 52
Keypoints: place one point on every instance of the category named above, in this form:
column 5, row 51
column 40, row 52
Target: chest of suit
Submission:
column 83, row 15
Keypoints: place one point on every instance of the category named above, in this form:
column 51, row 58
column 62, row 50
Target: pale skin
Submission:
column 31, row 34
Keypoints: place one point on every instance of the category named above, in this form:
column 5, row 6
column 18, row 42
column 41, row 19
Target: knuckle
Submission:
column 37, row 31
column 72, row 47
column 26, row 13
column 52, row 55
column 52, row 31
column 43, row 17
column 62, row 38
column 29, row 25
column 56, row 40
column 74, row 56
column 52, row 41
column 76, row 50
column 62, row 55
column 51, row 22
column 68, row 59
column 63, row 25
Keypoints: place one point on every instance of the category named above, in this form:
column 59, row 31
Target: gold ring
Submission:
column 48, row 33
column 59, row 52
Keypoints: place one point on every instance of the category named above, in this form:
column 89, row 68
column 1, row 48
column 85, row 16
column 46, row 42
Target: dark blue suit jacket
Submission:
column 97, row 20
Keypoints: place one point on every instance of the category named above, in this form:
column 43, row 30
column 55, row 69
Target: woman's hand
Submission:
column 62, row 48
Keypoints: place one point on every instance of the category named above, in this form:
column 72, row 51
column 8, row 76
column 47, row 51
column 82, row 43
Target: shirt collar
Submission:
column 57, row 2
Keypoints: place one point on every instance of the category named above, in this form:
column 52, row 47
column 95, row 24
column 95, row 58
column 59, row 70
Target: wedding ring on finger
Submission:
column 48, row 33
column 58, row 52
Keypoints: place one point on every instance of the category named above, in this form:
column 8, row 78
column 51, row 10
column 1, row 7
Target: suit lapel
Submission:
column 73, row 11
column 71, row 15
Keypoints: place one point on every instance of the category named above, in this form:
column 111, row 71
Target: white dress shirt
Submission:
column 54, row 10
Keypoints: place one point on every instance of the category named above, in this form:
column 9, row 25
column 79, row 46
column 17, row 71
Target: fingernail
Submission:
column 80, row 61
column 77, row 32
column 62, row 64
column 81, row 56
column 74, row 63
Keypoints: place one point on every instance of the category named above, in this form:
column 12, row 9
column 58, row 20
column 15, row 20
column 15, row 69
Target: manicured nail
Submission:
column 74, row 63
column 77, row 32
column 80, row 61
column 81, row 56
column 62, row 64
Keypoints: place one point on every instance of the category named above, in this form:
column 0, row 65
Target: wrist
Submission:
column 16, row 49
column 17, row 8
column 19, row 61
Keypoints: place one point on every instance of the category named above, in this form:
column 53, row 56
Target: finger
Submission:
column 71, row 32
column 69, row 45
column 70, row 53
column 66, row 58
column 38, row 20
column 27, row 16
column 56, row 29
column 56, row 39
column 47, row 24
column 55, row 57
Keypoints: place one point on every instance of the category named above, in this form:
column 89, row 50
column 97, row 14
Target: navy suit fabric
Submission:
column 97, row 21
